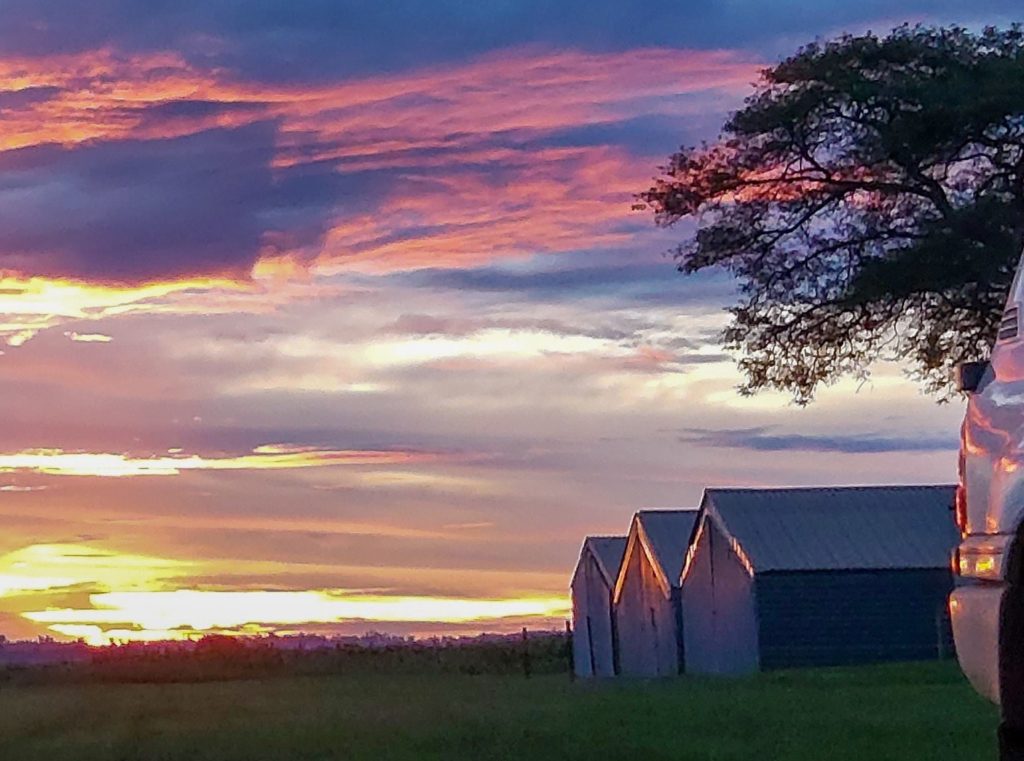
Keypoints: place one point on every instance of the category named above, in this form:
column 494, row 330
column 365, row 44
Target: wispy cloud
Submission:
column 451, row 163
column 105, row 94
column 270, row 457
column 89, row 338
column 766, row 439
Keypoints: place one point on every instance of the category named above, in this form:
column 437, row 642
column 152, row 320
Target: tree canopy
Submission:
column 869, row 199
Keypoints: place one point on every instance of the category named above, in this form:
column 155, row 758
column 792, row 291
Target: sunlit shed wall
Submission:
column 593, row 583
column 781, row 578
column 647, row 606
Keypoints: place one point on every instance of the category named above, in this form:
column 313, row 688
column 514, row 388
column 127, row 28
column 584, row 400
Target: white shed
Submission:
column 648, row 612
column 593, row 640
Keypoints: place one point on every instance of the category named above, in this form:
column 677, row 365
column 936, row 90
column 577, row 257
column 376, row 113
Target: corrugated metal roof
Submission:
column 609, row 551
column 839, row 528
column 669, row 534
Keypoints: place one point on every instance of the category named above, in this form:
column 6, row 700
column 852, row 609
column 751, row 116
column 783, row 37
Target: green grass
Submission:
column 920, row 711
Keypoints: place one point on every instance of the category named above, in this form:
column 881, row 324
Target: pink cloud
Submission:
column 469, row 177
column 560, row 200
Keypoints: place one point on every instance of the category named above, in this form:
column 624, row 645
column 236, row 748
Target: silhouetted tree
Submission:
column 869, row 199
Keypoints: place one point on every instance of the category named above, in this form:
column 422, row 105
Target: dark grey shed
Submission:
column 780, row 578
column 593, row 582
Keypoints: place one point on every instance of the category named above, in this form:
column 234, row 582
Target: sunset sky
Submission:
column 335, row 316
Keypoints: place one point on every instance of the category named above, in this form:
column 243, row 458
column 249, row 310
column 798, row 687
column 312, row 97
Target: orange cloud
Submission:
column 379, row 118
column 549, row 201
column 491, row 193
column 103, row 94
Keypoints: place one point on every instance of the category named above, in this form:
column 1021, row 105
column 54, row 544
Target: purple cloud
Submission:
column 137, row 210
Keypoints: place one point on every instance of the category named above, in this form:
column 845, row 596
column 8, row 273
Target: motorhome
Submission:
column 987, row 607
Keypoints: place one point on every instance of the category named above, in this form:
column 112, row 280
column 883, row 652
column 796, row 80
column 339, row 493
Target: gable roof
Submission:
column 664, row 536
column 608, row 551
column 838, row 528
column 668, row 533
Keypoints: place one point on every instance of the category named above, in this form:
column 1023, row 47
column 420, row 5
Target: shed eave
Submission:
column 620, row 579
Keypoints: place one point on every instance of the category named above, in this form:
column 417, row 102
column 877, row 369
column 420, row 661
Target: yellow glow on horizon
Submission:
column 142, row 598
column 182, row 613
column 99, row 637
column 270, row 457
column 42, row 567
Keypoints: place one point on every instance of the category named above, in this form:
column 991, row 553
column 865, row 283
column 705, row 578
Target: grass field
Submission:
column 920, row 711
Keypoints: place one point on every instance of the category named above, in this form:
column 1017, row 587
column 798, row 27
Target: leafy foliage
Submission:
column 869, row 198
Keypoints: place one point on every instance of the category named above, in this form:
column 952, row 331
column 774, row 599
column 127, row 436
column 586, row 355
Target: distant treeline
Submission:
column 221, row 658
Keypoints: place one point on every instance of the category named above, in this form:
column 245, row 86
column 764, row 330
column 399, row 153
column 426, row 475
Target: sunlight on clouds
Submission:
column 29, row 305
column 436, row 481
column 88, row 337
column 320, row 382
column 139, row 602
column 630, row 388
column 181, row 612
column 60, row 463
column 41, row 567
column 99, row 637
column 65, row 298
column 17, row 337
column 717, row 384
column 485, row 343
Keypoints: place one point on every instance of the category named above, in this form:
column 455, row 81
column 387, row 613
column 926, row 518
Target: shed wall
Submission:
column 831, row 618
column 735, row 609
column 719, row 614
column 581, row 661
column 593, row 641
column 648, row 637
column 699, row 611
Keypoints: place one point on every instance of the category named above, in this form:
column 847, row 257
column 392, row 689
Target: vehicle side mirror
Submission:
column 969, row 375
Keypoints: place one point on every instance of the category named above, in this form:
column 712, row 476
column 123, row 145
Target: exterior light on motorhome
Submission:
column 983, row 557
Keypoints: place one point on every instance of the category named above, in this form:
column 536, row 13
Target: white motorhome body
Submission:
column 990, row 500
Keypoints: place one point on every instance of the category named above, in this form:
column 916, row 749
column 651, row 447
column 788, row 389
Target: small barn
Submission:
column 593, row 583
column 778, row 578
column 647, row 607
